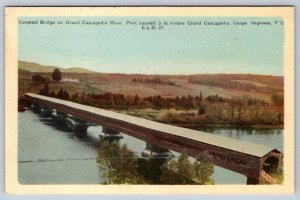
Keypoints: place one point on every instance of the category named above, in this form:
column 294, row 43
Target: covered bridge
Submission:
column 253, row 160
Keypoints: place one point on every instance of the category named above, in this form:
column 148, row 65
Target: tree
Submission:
column 278, row 99
column 136, row 100
column 150, row 169
column 118, row 164
column 177, row 171
column 203, row 169
column 66, row 95
column 106, row 153
column 56, row 75
column 41, row 92
column 38, row 78
column 182, row 171
column 60, row 94
column 127, row 167
column 75, row 96
column 52, row 94
column 110, row 100
column 46, row 89
column 200, row 97
column 201, row 109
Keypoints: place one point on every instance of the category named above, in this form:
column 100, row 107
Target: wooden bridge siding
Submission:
column 262, row 160
column 191, row 147
column 196, row 148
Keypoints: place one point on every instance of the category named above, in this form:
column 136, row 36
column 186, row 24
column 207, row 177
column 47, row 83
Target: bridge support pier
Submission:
column 77, row 126
column 152, row 150
column 60, row 118
column 46, row 112
column 252, row 181
column 36, row 107
column 111, row 134
column 82, row 133
column 70, row 123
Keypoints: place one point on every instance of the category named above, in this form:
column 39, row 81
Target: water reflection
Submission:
column 47, row 121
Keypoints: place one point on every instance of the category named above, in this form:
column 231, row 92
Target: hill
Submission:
column 224, row 85
column 34, row 67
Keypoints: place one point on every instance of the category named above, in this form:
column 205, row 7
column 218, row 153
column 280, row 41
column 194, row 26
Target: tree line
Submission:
column 233, row 114
column 211, row 110
column 61, row 94
column 157, row 101
column 155, row 80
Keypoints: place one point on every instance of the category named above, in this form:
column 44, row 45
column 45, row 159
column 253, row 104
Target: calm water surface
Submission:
column 48, row 155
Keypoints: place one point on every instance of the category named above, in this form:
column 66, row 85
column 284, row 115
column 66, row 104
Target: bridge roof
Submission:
column 249, row 148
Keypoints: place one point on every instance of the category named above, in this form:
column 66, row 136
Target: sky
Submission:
column 188, row 49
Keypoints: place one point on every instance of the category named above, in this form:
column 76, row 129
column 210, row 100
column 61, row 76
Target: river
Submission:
column 49, row 155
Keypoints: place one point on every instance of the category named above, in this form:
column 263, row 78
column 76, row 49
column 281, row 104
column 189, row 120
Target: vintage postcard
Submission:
column 149, row 100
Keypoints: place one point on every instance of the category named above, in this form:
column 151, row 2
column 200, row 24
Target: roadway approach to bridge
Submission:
column 254, row 161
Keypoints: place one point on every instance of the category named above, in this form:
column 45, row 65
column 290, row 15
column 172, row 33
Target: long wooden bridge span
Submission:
column 250, row 159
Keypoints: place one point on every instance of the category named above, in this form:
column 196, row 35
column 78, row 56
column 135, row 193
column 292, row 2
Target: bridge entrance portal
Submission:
column 271, row 165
